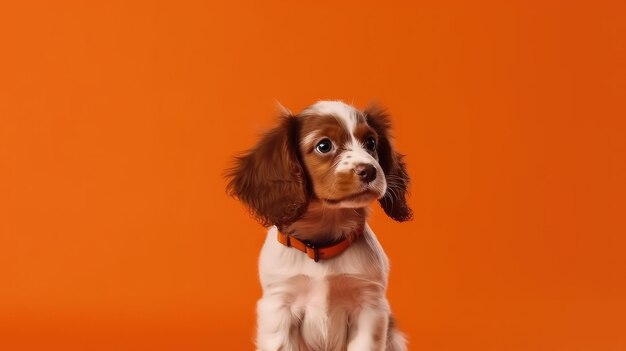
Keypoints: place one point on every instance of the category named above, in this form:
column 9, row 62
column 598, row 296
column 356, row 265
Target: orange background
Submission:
column 117, row 119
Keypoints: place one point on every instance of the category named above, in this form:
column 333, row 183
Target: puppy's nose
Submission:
column 366, row 172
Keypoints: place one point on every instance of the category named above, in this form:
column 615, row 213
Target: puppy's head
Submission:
column 331, row 153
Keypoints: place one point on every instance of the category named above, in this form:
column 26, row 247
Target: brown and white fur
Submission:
column 314, row 177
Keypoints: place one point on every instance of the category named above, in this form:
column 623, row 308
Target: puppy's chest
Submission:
column 326, row 305
column 329, row 293
column 340, row 284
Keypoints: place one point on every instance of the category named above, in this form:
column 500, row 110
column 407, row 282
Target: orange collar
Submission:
column 318, row 253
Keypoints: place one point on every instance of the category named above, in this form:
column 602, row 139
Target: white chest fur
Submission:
column 316, row 303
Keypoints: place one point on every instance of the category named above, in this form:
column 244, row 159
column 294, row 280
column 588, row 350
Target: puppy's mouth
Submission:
column 362, row 195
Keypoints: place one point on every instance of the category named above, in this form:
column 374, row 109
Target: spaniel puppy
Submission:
column 323, row 272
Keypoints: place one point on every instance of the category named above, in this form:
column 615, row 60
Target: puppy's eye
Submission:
column 370, row 143
column 324, row 146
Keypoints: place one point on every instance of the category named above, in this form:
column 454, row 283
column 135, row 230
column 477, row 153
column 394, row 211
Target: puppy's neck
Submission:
column 322, row 225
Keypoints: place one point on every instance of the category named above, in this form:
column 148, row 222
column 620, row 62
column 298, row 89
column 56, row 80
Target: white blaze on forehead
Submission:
column 344, row 113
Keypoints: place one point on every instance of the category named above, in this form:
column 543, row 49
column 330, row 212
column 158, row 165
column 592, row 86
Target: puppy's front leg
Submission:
column 369, row 333
column 277, row 326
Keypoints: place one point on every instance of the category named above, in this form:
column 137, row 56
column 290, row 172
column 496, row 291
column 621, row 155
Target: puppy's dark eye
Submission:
column 324, row 146
column 370, row 143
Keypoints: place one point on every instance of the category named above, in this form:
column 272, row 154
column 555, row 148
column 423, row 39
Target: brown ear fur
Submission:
column 269, row 178
column 394, row 201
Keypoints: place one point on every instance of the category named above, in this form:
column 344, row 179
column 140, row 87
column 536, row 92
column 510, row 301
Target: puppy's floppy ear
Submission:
column 269, row 179
column 394, row 201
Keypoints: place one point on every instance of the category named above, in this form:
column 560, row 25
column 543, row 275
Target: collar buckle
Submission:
column 312, row 249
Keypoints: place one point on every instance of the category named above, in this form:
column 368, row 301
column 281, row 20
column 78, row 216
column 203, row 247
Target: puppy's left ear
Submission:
column 394, row 201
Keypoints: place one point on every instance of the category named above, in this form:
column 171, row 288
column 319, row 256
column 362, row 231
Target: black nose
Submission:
column 366, row 172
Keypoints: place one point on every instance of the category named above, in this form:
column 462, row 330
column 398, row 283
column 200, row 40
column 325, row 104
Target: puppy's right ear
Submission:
column 269, row 179
column 394, row 201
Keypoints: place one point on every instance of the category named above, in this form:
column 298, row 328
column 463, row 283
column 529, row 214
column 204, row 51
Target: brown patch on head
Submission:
column 394, row 201
column 270, row 179
column 362, row 132
column 320, row 126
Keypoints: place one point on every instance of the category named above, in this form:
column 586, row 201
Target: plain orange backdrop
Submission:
column 117, row 119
